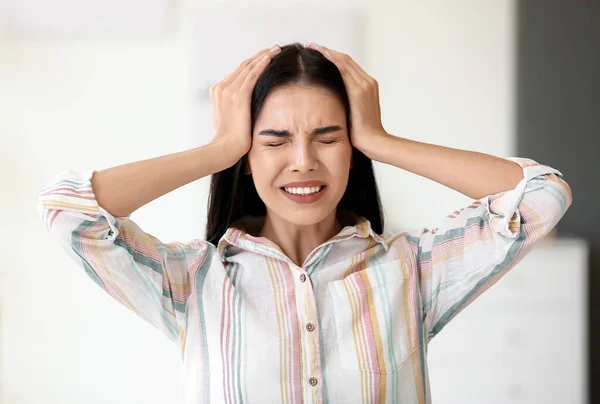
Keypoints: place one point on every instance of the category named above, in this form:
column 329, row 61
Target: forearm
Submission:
column 473, row 174
column 123, row 189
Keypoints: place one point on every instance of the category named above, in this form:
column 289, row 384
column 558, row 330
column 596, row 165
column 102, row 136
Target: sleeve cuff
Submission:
column 505, row 210
column 71, row 190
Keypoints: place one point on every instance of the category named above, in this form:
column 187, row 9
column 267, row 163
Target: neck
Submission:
column 298, row 241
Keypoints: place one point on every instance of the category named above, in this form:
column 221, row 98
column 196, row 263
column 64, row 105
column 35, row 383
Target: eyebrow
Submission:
column 286, row 133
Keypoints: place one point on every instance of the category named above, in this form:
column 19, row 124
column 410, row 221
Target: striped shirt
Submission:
column 351, row 325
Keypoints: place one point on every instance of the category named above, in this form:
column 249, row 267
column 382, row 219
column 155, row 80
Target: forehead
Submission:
column 301, row 105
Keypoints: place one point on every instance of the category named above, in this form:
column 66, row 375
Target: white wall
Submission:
column 446, row 77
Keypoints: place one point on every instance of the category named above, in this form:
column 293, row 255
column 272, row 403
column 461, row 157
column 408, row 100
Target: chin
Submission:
column 306, row 216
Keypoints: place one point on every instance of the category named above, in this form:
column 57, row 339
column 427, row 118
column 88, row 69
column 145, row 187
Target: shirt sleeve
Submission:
column 149, row 277
column 477, row 245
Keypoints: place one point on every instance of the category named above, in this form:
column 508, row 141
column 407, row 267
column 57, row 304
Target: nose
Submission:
column 303, row 157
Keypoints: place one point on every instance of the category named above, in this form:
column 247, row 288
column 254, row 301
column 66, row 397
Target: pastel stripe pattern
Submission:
column 352, row 324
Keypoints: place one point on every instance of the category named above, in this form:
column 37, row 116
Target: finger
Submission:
column 339, row 59
column 249, row 76
column 346, row 61
column 348, row 67
column 234, row 74
column 358, row 69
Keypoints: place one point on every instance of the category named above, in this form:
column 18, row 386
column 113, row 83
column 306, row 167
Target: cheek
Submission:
column 264, row 171
column 340, row 161
column 338, row 166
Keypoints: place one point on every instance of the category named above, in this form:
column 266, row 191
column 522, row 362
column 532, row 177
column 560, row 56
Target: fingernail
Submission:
column 275, row 48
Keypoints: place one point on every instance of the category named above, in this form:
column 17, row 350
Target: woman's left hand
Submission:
column 363, row 93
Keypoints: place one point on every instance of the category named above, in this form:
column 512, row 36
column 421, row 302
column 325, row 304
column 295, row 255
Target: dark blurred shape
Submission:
column 558, row 122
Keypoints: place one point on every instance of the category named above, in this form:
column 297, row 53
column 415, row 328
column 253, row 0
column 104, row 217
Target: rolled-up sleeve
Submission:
column 149, row 277
column 477, row 245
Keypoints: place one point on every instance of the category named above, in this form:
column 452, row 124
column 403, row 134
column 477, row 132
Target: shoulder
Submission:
column 408, row 238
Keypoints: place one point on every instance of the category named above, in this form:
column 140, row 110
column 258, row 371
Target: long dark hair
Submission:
column 232, row 193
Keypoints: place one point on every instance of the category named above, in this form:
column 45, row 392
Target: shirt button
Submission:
column 310, row 327
column 302, row 278
column 312, row 381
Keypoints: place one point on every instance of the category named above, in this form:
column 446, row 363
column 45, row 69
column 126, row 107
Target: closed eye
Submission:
column 279, row 144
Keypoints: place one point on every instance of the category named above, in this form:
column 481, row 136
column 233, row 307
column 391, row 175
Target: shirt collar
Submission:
column 236, row 235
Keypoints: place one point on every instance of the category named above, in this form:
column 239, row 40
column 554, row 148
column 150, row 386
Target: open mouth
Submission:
column 304, row 191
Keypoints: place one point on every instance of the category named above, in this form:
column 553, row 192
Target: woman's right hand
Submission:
column 230, row 99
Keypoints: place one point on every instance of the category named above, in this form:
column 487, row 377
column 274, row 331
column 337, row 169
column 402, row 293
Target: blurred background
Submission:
column 93, row 84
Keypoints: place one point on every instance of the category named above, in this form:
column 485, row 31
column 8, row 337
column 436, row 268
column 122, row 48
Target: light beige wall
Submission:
column 446, row 77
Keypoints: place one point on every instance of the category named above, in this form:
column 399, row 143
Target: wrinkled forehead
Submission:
column 300, row 107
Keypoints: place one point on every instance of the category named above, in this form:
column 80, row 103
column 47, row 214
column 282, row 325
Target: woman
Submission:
column 298, row 294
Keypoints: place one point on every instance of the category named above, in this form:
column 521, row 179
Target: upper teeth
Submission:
column 306, row 190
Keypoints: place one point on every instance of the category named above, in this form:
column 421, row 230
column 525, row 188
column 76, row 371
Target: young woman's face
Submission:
column 300, row 135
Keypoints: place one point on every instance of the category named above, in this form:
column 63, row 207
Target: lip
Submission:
column 305, row 198
column 303, row 184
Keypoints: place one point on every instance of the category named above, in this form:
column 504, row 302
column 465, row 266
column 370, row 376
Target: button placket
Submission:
column 310, row 327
